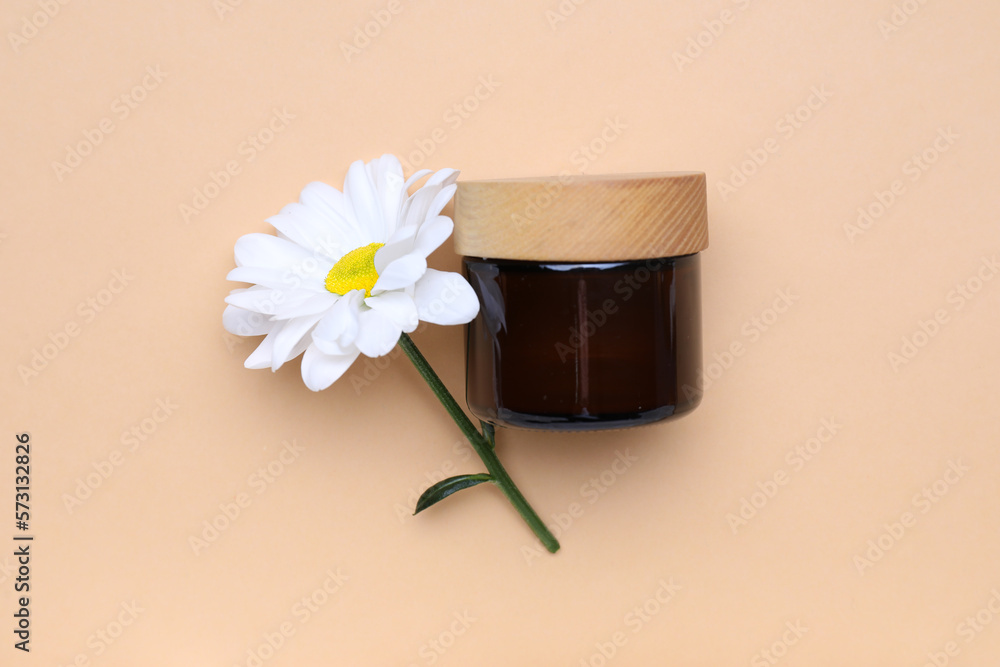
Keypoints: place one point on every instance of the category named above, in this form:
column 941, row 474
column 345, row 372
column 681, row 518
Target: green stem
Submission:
column 480, row 443
column 489, row 432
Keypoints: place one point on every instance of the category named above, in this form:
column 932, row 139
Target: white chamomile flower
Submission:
column 347, row 272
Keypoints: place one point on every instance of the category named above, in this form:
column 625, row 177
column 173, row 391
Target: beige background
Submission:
column 886, row 92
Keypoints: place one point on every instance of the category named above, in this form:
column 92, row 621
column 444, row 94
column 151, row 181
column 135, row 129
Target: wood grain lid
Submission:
column 613, row 217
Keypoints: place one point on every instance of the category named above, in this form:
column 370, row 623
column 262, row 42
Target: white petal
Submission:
column 298, row 228
column 401, row 245
column 300, row 347
column 314, row 228
column 265, row 250
column 388, row 163
column 443, row 297
column 331, row 347
column 443, row 177
column 414, row 177
column 317, row 304
column 320, row 370
column 335, row 209
column 289, row 336
column 420, row 205
column 377, row 333
column 338, row 329
column 259, row 300
column 279, row 279
column 402, row 234
column 359, row 191
column 387, row 174
column 244, row 322
column 267, row 301
column 440, row 200
column 401, row 273
column 261, row 357
column 432, row 234
column 398, row 307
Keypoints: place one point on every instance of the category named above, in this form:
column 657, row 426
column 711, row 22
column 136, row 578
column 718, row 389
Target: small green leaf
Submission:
column 446, row 487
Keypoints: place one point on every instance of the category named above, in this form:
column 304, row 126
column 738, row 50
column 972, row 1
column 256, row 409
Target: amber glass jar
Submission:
column 590, row 298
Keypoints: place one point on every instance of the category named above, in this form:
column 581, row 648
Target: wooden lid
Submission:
column 583, row 218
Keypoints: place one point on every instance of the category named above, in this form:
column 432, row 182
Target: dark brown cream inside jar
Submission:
column 590, row 298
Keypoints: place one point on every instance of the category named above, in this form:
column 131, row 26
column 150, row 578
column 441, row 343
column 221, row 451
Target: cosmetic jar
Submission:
column 590, row 298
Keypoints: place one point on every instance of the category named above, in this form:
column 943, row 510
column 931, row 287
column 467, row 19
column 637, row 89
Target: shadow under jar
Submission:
column 590, row 298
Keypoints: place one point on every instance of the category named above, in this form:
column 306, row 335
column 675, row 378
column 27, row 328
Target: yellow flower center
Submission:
column 355, row 270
